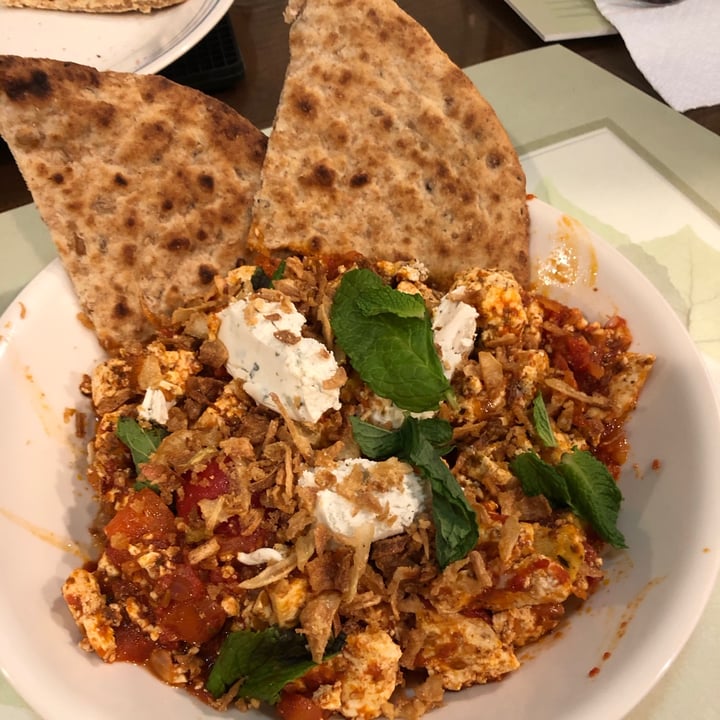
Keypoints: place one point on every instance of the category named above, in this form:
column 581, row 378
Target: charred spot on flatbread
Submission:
column 146, row 186
column 382, row 145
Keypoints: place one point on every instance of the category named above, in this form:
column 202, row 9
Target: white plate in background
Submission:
column 128, row 42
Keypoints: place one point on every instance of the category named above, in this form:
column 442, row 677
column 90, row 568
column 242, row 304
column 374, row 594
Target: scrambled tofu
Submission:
column 225, row 526
column 89, row 609
column 367, row 672
column 462, row 650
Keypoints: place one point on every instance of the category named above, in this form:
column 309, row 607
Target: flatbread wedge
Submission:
column 146, row 186
column 93, row 6
column 383, row 146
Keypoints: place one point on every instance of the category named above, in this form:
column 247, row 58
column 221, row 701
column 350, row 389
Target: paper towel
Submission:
column 675, row 46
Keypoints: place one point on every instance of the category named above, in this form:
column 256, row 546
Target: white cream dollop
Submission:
column 267, row 351
column 345, row 517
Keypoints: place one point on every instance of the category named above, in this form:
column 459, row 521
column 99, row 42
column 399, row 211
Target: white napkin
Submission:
column 676, row 47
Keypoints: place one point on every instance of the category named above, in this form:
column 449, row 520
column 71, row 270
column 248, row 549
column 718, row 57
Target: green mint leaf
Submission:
column 594, row 494
column 540, row 478
column 146, row 484
column 386, row 300
column 437, row 432
column 378, row 443
column 579, row 482
column 394, row 354
column 260, row 279
column 421, row 443
column 265, row 661
column 456, row 528
column 542, row 422
column 279, row 270
column 142, row 442
column 375, row 442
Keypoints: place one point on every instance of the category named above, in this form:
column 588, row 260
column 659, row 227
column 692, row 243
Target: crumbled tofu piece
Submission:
column 90, row 611
column 110, row 385
column 497, row 297
column 626, row 385
column 369, row 666
column 137, row 615
column 520, row 626
column 176, row 366
column 454, row 326
column 154, row 407
column 534, row 580
column 288, row 597
column 462, row 650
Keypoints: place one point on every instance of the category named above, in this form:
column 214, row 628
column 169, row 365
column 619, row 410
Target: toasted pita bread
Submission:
column 93, row 6
column 146, row 185
column 383, row 146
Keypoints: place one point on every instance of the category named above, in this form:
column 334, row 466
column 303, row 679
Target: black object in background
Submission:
column 214, row 64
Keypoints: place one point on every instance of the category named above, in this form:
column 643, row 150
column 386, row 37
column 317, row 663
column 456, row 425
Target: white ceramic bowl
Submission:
column 630, row 630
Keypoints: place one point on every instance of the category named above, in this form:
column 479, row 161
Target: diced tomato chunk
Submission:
column 145, row 514
column 233, row 544
column 583, row 357
column 180, row 585
column 233, row 537
column 184, row 609
column 133, row 645
column 298, row 707
column 193, row 622
column 209, row 483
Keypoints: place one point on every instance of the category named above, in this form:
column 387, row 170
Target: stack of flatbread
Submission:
column 380, row 146
column 93, row 6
